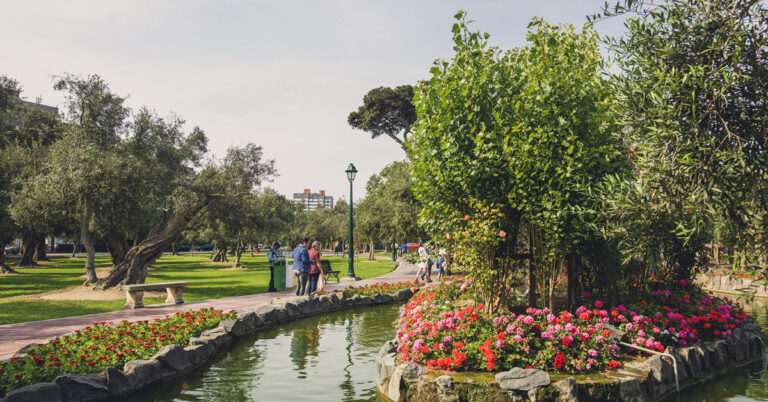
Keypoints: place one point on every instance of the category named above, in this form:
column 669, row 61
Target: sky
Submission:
column 283, row 74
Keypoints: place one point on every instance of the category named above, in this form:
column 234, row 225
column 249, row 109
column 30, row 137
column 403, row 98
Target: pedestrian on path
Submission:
column 314, row 267
column 301, row 266
column 273, row 256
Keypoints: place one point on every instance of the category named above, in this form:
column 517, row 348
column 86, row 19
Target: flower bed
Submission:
column 380, row 288
column 102, row 345
column 443, row 329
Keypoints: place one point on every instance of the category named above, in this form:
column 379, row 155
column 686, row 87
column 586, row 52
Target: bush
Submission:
column 443, row 328
column 102, row 345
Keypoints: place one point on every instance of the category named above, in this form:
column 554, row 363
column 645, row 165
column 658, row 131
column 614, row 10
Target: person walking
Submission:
column 314, row 267
column 301, row 266
column 273, row 256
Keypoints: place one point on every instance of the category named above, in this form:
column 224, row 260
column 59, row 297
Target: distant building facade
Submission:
column 310, row 200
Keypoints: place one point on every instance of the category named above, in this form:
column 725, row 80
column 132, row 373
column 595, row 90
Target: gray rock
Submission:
column 382, row 299
column 566, row 390
column 630, row 390
column 82, row 388
column 217, row 337
column 43, row 391
column 251, row 321
column 141, row 373
column 444, row 383
column 176, row 358
column 386, row 367
column 737, row 348
column 692, row 361
column 238, row 327
column 200, row 354
column 270, row 313
column 520, row 379
column 412, row 371
column 395, row 385
column 117, row 382
column 404, row 294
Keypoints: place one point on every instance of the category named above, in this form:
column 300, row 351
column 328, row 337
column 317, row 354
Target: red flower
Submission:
column 614, row 364
column 559, row 361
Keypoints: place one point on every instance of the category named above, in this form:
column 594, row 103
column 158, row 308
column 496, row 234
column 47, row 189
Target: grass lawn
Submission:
column 207, row 281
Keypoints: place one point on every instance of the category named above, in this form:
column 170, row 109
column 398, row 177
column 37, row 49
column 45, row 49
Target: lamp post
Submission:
column 351, row 173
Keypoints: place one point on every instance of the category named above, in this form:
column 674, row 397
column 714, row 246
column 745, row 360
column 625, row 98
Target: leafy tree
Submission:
column 509, row 143
column 389, row 211
column 386, row 111
column 692, row 81
column 214, row 187
column 28, row 132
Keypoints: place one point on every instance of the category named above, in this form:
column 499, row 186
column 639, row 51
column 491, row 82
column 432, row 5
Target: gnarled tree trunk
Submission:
column 86, row 237
column 118, row 247
column 134, row 267
column 41, row 252
column 28, row 247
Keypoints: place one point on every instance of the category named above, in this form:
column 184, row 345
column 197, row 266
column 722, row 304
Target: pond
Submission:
column 323, row 358
column 332, row 358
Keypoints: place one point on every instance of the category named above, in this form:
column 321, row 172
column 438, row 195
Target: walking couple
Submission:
column 306, row 268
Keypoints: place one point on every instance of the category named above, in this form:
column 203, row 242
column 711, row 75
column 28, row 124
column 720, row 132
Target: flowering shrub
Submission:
column 444, row 331
column 676, row 317
column 103, row 345
column 442, row 328
column 380, row 288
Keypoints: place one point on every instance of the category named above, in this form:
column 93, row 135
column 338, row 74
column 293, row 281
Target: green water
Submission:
column 324, row 358
column 748, row 384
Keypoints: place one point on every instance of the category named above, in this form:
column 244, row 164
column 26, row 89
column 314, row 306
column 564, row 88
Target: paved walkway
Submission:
column 15, row 336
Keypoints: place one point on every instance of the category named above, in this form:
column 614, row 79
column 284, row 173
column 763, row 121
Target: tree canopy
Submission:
column 386, row 111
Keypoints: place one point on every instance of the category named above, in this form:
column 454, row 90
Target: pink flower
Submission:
column 599, row 303
column 502, row 234
column 592, row 353
column 528, row 320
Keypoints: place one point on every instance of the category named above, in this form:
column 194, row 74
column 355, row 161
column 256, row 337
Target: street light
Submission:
column 351, row 173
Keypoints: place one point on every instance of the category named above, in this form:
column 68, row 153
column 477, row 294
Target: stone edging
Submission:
column 173, row 361
column 646, row 380
column 732, row 285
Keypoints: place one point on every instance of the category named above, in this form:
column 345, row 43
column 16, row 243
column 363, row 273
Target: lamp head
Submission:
column 351, row 172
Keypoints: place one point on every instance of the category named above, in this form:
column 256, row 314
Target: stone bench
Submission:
column 134, row 294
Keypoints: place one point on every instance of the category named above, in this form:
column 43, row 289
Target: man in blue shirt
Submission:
column 301, row 266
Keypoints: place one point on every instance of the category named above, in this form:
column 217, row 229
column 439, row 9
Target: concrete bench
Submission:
column 134, row 294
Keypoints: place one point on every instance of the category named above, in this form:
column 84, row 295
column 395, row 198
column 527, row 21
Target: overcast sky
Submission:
column 283, row 74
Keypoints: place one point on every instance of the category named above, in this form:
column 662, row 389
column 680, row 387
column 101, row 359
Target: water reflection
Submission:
column 326, row 358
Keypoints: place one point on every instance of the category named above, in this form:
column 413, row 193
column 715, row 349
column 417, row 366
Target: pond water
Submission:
column 323, row 358
column 332, row 358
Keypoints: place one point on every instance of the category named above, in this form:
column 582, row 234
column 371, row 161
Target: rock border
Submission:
column 650, row 379
column 172, row 362
column 733, row 285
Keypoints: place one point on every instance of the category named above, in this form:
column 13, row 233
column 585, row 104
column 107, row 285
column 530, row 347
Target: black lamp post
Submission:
column 351, row 173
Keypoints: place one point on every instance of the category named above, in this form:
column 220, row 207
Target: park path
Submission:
column 15, row 336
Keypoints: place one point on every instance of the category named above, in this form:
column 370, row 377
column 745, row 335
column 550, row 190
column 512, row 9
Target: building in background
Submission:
column 310, row 200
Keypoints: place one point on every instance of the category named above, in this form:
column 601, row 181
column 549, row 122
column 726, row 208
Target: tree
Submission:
column 386, row 111
column 237, row 175
column 389, row 211
column 506, row 148
column 28, row 133
column 692, row 81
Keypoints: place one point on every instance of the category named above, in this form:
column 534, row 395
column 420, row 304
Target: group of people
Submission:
column 307, row 270
column 424, row 271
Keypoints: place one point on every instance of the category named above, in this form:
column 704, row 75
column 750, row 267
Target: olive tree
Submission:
column 692, row 85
